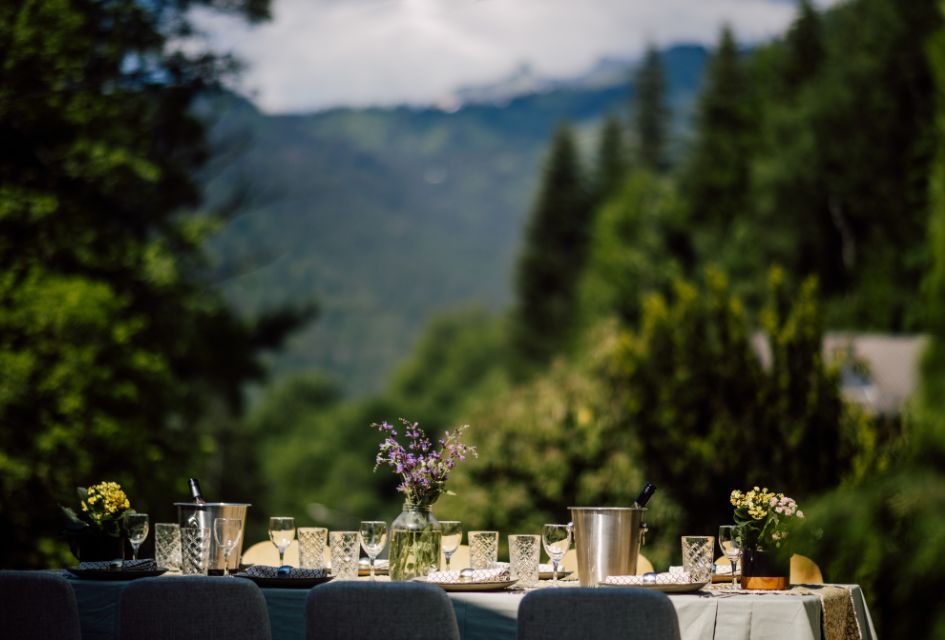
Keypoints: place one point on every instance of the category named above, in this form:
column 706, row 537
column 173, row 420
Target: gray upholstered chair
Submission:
column 193, row 608
column 37, row 606
column 379, row 611
column 591, row 614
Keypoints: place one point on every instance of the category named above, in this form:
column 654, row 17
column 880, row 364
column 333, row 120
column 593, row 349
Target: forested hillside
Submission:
column 384, row 216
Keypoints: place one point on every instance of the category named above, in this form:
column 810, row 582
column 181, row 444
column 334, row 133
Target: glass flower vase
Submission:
column 415, row 539
column 763, row 570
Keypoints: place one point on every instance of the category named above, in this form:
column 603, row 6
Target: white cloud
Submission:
column 316, row 54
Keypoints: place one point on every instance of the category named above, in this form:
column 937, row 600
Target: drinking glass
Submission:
column 136, row 524
column 167, row 545
column 730, row 541
column 483, row 549
column 452, row 535
column 195, row 550
column 281, row 532
column 556, row 538
column 312, row 542
column 227, row 532
column 373, row 535
column 697, row 557
column 524, row 554
column 344, row 554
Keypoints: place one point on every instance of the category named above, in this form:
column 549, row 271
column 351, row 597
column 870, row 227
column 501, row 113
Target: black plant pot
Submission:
column 764, row 570
column 92, row 548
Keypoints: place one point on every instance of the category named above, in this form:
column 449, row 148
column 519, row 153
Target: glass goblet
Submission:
column 136, row 525
column 227, row 533
column 730, row 541
column 452, row 535
column 281, row 532
column 556, row 539
column 373, row 536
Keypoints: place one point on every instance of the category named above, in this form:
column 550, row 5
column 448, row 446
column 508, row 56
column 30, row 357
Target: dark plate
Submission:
column 114, row 574
column 284, row 583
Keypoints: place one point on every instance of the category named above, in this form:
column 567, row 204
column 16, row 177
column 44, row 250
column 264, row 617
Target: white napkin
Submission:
column 677, row 577
column 495, row 574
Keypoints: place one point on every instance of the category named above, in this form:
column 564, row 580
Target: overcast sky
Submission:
column 316, row 54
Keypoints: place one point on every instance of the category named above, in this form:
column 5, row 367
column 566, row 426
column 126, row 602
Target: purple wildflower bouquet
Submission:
column 423, row 469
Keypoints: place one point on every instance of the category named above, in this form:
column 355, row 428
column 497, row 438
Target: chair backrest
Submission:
column 805, row 571
column 379, row 611
column 458, row 561
column 36, row 605
column 265, row 553
column 588, row 613
column 193, row 608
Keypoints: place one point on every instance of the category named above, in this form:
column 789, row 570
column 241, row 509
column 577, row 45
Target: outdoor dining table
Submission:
column 705, row 615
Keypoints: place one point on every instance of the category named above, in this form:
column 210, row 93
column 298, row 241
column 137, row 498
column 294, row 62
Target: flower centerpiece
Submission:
column 96, row 532
column 766, row 521
column 423, row 470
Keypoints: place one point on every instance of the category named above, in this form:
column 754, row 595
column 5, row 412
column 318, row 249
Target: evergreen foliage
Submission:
column 651, row 114
column 554, row 254
column 611, row 166
column 111, row 349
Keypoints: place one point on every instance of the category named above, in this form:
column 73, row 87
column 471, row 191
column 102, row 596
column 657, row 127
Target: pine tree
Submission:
column 804, row 47
column 715, row 181
column 553, row 257
column 611, row 166
column 651, row 115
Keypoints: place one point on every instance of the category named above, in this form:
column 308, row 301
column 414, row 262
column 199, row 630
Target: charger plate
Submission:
column 284, row 582
column 687, row 587
column 114, row 574
column 497, row 585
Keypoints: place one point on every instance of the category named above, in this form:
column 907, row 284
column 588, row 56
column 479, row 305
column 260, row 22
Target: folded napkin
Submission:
column 263, row 571
column 677, row 577
column 496, row 574
column 146, row 564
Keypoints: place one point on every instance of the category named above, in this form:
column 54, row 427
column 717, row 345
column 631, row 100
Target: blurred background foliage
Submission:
column 671, row 291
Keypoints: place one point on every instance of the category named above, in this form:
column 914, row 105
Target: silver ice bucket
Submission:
column 607, row 541
column 191, row 514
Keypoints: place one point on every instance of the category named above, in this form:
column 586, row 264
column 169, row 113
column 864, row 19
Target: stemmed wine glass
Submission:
column 730, row 541
column 373, row 535
column 452, row 535
column 556, row 538
column 281, row 532
column 227, row 532
column 136, row 524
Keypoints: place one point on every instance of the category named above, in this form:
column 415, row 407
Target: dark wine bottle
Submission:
column 645, row 495
column 195, row 491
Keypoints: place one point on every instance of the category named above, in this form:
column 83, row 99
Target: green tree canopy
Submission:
column 651, row 114
column 111, row 347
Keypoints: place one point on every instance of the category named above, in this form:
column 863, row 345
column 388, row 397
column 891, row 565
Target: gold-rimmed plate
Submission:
column 479, row 585
column 666, row 587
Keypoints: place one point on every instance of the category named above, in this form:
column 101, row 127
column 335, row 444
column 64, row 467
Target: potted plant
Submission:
column 415, row 534
column 766, row 520
column 95, row 532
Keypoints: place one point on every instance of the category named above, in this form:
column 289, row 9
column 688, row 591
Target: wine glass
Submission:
column 556, row 538
column 281, row 532
column 227, row 532
column 136, row 524
column 373, row 535
column 452, row 535
column 730, row 541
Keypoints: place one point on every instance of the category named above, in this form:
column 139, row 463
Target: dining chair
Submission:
column 379, row 611
column 193, row 608
column 36, row 605
column 588, row 613
column 265, row 553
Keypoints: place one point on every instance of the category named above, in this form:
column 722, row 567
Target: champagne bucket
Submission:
column 607, row 541
column 191, row 514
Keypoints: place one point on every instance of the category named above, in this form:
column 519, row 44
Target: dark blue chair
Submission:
column 193, row 608
column 351, row 610
column 595, row 614
column 35, row 605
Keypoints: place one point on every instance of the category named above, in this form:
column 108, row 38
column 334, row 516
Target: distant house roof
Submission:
column 878, row 371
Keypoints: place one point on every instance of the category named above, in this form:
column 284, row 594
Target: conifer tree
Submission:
column 651, row 114
column 804, row 46
column 715, row 181
column 611, row 166
column 553, row 257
